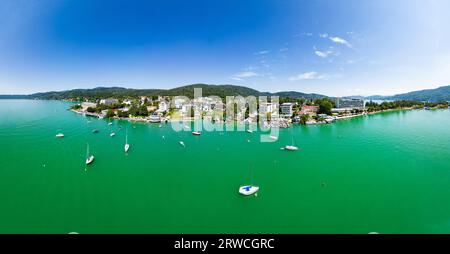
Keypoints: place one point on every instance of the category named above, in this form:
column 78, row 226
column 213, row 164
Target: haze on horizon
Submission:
column 332, row 47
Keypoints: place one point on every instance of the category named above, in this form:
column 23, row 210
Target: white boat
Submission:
column 274, row 137
column 196, row 133
column 249, row 131
column 291, row 148
column 127, row 146
column 248, row 190
column 60, row 135
column 109, row 124
column 182, row 143
column 89, row 158
column 112, row 134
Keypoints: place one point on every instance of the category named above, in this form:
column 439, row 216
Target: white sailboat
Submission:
column 248, row 190
column 89, row 157
column 127, row 146
column 291, row 147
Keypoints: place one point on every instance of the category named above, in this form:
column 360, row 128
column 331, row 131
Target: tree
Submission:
column 143, row 111
column 325, row 107
column 122, row 114
column 90, row 109
column 76, row 107
column 304, row 118
column 110, row 113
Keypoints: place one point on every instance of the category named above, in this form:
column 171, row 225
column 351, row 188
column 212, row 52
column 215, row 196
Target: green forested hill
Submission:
column 121, row 93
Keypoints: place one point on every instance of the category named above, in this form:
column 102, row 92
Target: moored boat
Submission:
column 248, row 190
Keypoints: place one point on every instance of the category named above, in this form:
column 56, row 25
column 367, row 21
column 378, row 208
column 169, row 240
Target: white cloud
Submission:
column 340, row 41
column 325, row 35
column 242, row 75
column 284, row 49
column 262, row 52
column 323, row 54
column 307, row 76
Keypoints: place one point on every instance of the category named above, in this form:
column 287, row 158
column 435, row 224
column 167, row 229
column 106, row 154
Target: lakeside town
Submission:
column 288, row 111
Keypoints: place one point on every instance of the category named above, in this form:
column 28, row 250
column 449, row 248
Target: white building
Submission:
column 267, row 107
column 349, row 103
column 109, row 102
column 163, row 106
column 127, row 102
column 86, row 105
column 178, row 102
column 287, row 108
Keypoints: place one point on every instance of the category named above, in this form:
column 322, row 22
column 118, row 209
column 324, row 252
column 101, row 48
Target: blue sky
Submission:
column 333, row 47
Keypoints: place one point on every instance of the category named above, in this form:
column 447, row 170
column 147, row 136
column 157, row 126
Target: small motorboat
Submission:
column 112, row 134
column 60, row 135
column 109, row 124
column 196, row 133
column 249, row 131
column 182, row 143
column 273, row 137
column 248, row 190
column 94, row 131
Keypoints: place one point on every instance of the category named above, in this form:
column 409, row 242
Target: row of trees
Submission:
column 373, row 106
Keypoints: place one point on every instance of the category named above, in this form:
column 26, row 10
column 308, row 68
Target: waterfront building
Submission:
column 178, row 103
column 309, row 110
column 109, row 102
column 86, row 105
column 287, row 108
column 163, row 106
column 349, row 103
column 267, row 107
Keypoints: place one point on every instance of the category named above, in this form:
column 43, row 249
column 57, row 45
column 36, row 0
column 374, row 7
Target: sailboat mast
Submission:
column 251, row 175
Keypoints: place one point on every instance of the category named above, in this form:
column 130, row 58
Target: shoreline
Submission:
column 167, row 120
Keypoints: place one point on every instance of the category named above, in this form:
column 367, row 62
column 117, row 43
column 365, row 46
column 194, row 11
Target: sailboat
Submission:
column 248, row 190
column 127, row 146
column 291, row 147
column 89, row 158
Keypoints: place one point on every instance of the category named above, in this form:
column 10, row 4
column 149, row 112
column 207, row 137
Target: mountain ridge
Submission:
column 187, row 90
column 432, row 95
